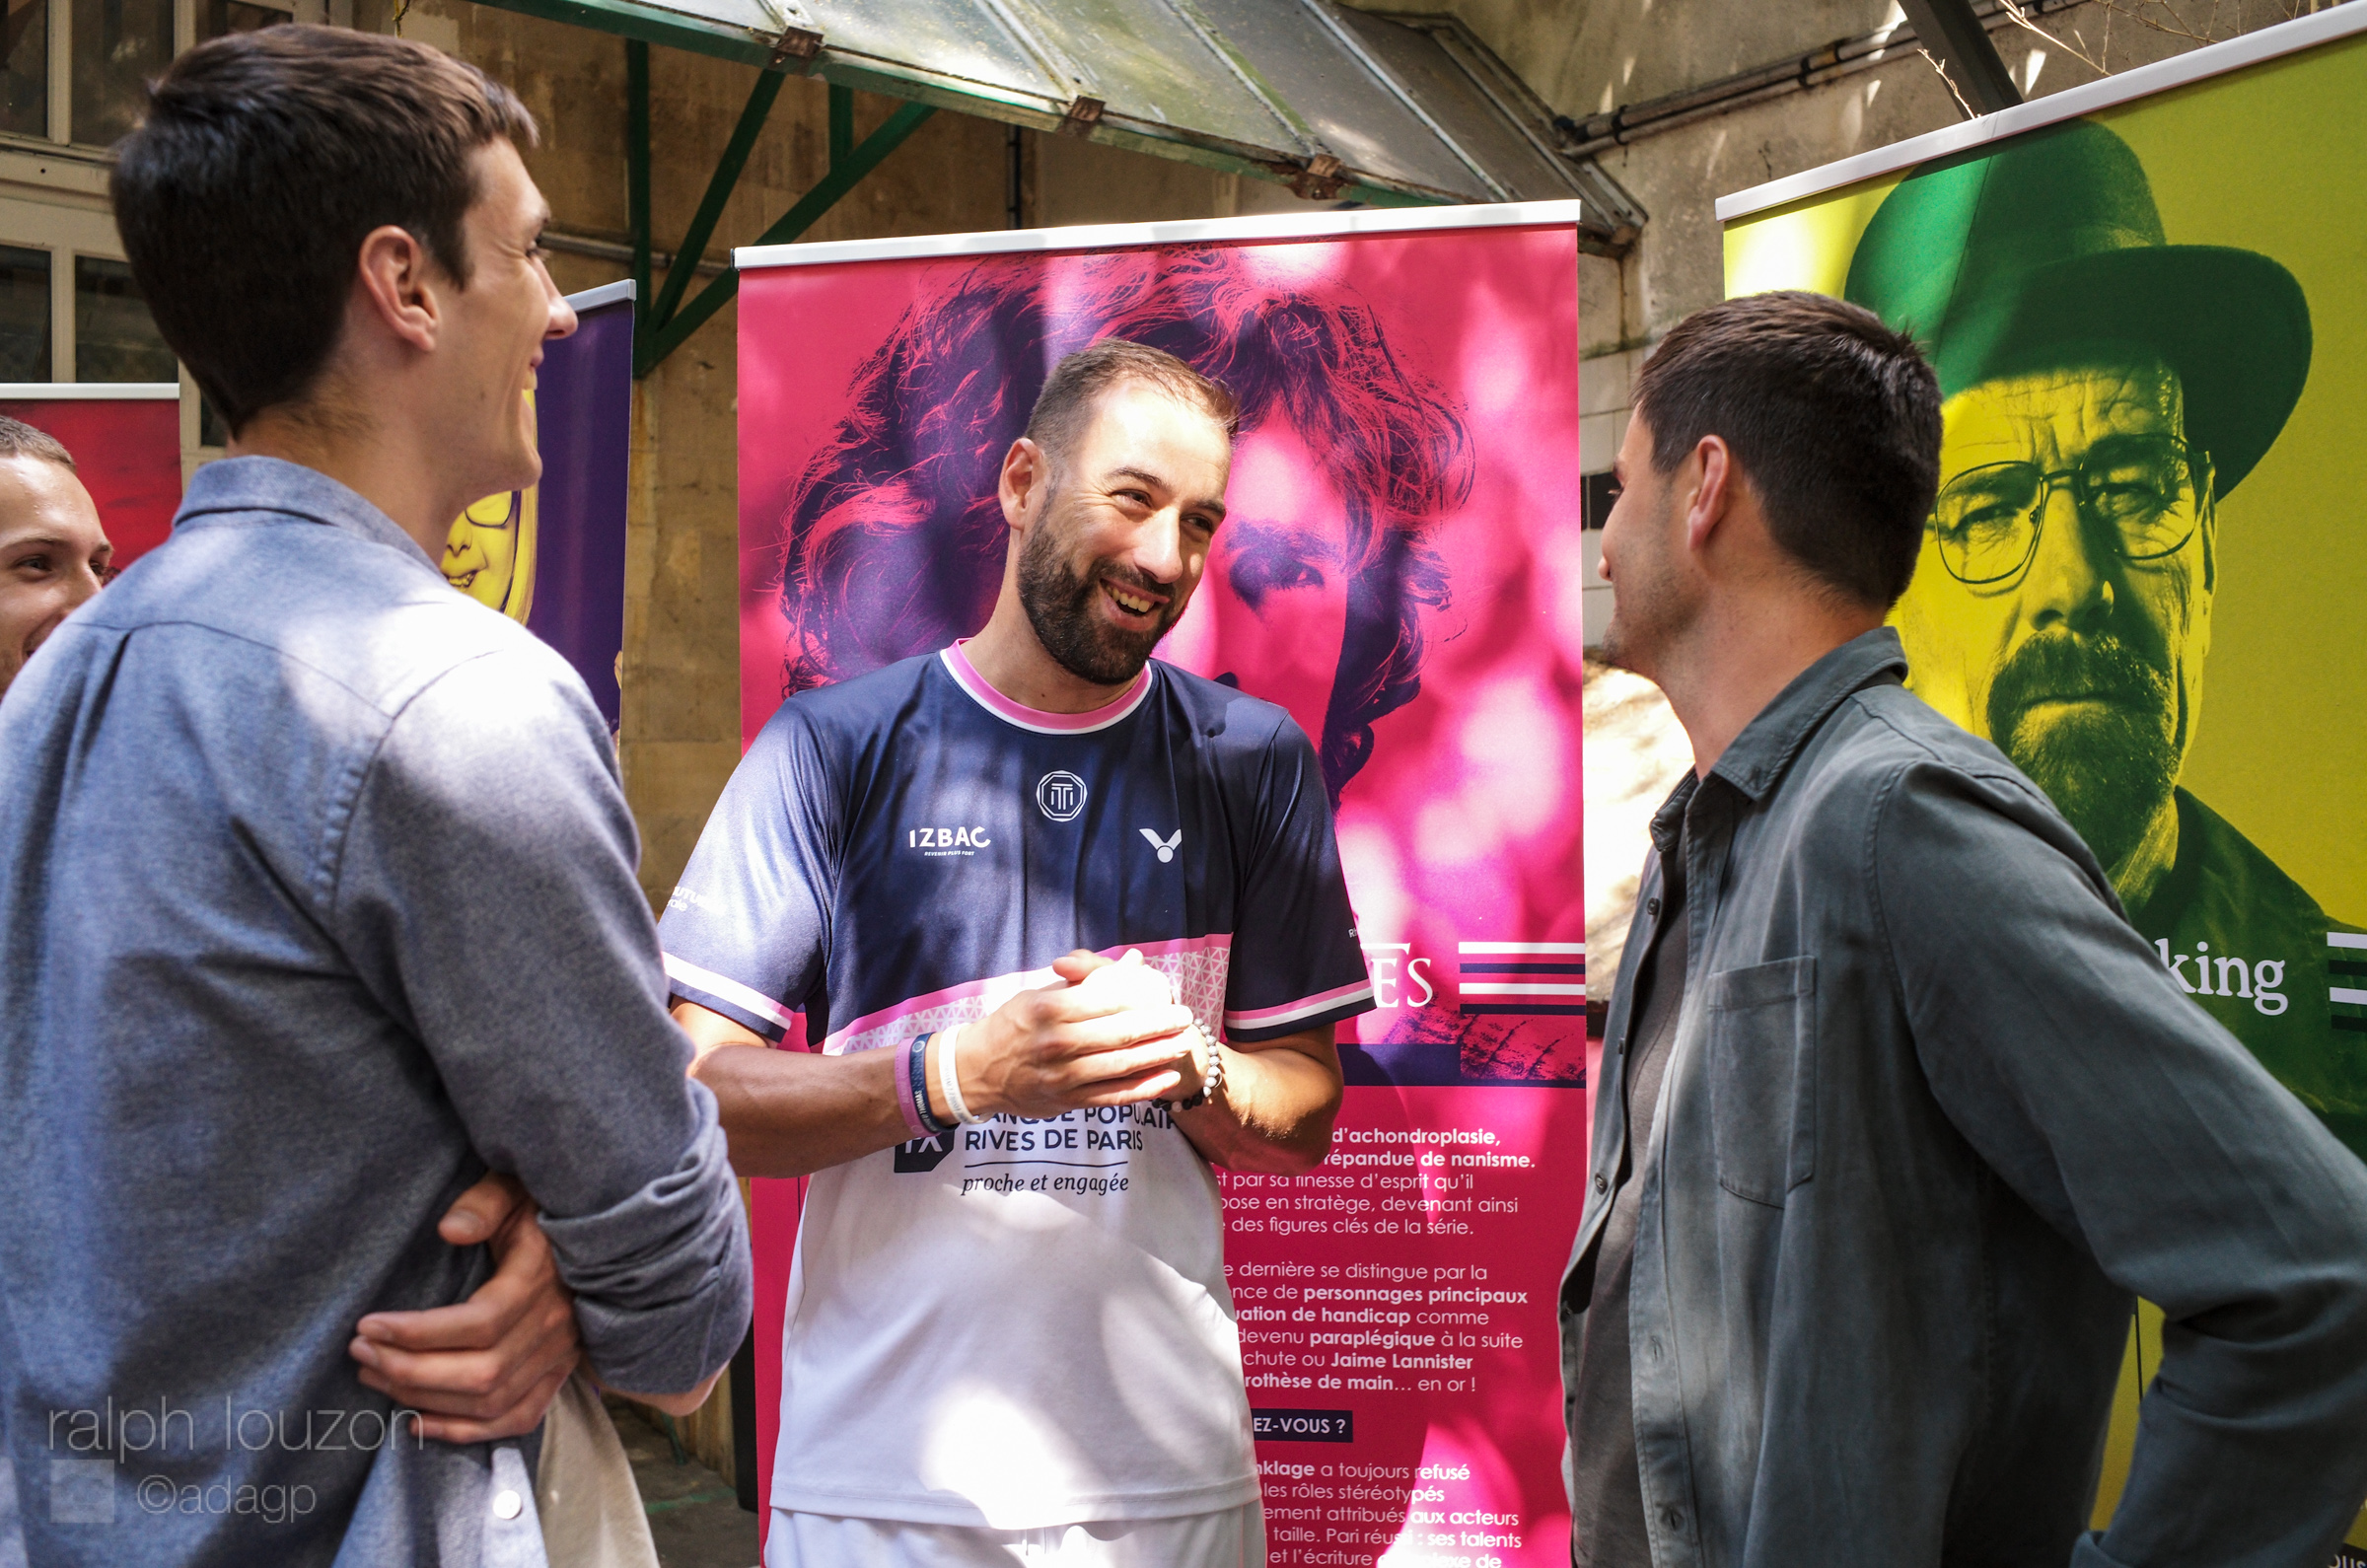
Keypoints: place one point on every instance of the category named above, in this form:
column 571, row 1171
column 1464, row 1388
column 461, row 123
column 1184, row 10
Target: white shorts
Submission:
column 1231, row 1538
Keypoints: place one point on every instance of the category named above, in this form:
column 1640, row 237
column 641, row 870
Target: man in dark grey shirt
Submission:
column 1862, row 1233
column 316, row 887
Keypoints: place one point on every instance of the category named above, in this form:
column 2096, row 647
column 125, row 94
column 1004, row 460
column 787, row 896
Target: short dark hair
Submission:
column 20, row 440
column 1079, row 381
column 281, row 149
column 1834, row 417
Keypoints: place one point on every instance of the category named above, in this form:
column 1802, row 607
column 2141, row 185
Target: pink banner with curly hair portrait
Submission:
column 1400, row 569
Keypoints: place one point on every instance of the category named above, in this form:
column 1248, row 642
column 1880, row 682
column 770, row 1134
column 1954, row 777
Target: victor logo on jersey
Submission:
column 1165, row 846
column 1061, row 795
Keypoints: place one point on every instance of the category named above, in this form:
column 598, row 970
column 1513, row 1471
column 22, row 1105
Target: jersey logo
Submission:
column 1165, row 846
column 923, row 1155
column 942, row 840
column 1061, row 795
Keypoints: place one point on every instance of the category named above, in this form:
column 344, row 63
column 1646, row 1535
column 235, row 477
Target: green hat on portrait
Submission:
column 2002, row 263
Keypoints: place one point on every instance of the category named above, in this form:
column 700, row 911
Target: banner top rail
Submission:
column 2215, row 59
column 88, row 391
column 1199, row 231
column 605, row 293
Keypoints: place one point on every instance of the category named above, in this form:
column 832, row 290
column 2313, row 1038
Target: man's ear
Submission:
column 1706, row 484
column 1026, row 475
column 398, row 286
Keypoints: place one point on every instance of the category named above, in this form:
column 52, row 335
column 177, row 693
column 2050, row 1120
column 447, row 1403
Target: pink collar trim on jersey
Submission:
column 956, row 665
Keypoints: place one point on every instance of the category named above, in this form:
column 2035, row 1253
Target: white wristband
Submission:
column 949, row 1077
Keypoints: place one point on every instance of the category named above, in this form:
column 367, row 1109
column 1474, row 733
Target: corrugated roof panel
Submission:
column 1452, row 94
column 1147, row 62
column 960, row 39
column 1333, row 99
column 1359, row 118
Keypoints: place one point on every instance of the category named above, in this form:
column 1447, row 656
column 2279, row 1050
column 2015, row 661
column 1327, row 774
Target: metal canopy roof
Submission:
column 1333, row 100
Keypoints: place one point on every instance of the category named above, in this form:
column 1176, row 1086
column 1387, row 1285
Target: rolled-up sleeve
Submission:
column 2141, row 1129
column 484, row 888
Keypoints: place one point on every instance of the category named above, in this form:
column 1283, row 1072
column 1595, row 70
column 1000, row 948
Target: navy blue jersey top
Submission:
column 912, row 840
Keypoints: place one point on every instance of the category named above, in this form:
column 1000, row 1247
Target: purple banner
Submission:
column 585, row 410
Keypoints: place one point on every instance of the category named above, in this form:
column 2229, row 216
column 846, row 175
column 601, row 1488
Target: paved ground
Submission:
column 694, row 1512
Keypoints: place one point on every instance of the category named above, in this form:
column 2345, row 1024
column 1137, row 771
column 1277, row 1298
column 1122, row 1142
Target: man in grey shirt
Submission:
column 316, row 887
column 1908, row 1111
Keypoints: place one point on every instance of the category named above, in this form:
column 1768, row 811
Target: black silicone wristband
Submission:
column 917, row 1084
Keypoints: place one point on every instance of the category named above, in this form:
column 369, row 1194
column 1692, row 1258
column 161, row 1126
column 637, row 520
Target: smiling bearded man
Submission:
column 1009, row 1335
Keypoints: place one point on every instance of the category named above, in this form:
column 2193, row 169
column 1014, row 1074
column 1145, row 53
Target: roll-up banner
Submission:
column 1400, row 569
column 553, row 555
column 125, row 440
column 2145, row 294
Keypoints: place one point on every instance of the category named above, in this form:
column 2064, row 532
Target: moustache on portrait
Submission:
column 2094, row 723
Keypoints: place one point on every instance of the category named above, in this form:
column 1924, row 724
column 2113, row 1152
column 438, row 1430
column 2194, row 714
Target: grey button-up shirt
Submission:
column 317, row 897
column 1934, row 1111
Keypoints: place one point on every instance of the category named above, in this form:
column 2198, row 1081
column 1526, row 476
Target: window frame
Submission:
column 53, row 195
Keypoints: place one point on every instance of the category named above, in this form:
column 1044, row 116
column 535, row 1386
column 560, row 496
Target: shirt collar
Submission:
column 1760, row 756
column 269, row 485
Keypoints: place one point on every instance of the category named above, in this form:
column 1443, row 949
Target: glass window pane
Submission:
column 115, row 337
column 220, row 17
column 24, row 314
column 24, row 68
column 118, row 45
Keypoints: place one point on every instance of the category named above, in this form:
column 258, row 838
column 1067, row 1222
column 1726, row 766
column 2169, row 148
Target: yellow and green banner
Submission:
column 2142, row 577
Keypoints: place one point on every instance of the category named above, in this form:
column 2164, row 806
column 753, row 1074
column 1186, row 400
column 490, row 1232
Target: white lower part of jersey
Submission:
column 1232, row 1537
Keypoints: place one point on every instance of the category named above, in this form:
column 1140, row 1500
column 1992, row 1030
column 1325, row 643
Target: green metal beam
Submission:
column 843, row 123
column 719, row 191
column 658, row 335
column 847, row 173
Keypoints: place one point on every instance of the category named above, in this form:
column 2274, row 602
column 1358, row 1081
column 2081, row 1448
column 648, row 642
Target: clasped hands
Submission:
column 1109, row 1034
column 488, row 1366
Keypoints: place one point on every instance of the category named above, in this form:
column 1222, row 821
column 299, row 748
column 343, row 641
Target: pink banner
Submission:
column 1402, row 570
column 127, row 454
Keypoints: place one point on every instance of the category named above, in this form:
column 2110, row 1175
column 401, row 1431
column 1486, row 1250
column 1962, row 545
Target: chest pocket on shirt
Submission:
column 1762, row 1035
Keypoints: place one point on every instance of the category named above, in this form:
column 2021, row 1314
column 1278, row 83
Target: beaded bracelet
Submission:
column 1212, row 1076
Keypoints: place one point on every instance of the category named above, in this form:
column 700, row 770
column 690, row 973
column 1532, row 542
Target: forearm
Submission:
column 1274, row 1111
column 661, row 1279
column 790, row 1113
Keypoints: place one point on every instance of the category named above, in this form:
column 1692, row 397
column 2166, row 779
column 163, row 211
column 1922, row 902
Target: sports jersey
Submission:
column 1023, row 1323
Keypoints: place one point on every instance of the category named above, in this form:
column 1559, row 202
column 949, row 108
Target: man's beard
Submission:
column 1059, row 606
column 2109, row 766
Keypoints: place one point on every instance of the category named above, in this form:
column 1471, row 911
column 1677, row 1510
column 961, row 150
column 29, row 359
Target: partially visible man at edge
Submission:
column 1010, row 1337
column 54, row 550
column 54, row 557
column 1897, row 1111
column 318, row 902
